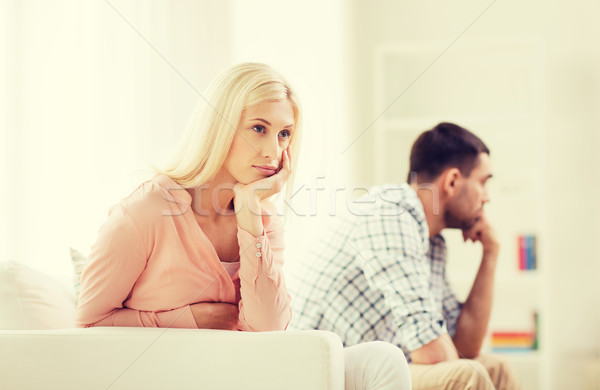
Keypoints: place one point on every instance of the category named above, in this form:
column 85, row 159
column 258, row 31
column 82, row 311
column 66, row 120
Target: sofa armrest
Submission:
column 157, row 358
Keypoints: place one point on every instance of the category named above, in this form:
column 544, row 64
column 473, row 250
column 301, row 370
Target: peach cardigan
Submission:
column 151, row 260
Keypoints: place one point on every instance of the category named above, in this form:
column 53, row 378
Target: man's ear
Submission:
column 450, row 181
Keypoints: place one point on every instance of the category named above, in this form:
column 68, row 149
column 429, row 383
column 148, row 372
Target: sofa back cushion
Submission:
column 30, row 299
column 78, row 260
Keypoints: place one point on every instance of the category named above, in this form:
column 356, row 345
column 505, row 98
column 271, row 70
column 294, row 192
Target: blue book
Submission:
column 528, row 262
column 533, row 252
column 512, row 349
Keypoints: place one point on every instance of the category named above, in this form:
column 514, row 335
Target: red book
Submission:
column 522, row 252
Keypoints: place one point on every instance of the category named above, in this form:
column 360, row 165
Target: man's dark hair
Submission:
column 445, row 146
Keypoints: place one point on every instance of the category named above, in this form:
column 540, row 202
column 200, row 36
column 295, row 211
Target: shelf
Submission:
column 532, row 356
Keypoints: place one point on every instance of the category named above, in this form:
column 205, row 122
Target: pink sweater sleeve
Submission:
column 265, row 302
column 116, row 261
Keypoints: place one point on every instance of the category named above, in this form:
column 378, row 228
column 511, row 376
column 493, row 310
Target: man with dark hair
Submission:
column 381, row 274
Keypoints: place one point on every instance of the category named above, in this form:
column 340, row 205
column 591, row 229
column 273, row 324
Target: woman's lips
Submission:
column 265, row 170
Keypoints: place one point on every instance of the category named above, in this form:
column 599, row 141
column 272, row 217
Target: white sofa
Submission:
column 35, row 357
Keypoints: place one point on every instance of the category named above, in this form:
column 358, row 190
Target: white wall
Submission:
column 97, row 91
column 571, row 139
column 573, row 186
column 8, row 102
column 307, row 43
column 89, row 106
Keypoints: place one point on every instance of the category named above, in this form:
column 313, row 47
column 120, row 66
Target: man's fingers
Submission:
column 471, row 234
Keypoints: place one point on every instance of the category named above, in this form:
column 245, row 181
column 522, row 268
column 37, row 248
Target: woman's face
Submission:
column 262, row 135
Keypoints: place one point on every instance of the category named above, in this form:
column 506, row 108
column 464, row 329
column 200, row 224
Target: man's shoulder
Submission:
column 393, row 197
column 390, row 203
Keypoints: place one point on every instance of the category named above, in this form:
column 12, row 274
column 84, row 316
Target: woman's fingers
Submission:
column 271, row 185
column 286, row 165
column 276, row 182
column 287, row 161
column 289, row 158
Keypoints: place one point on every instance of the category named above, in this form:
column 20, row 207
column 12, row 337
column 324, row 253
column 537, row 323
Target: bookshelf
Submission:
column 492, row 86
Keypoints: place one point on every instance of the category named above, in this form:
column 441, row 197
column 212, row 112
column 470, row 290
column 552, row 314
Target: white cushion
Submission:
column 30, row 299
column 78, row 259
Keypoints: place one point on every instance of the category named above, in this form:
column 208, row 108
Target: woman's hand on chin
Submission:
column 264, row 188
column 247, row 197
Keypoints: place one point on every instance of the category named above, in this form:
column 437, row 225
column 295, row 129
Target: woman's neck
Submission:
column 214, row 199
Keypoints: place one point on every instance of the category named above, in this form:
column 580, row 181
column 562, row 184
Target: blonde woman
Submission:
column 200, row 245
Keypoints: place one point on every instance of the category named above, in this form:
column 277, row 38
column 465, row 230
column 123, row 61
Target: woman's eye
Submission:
column 258, row 128
column 285, row 134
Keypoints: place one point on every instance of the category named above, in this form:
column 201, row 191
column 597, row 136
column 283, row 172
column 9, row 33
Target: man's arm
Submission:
column 438, row 350
column 475, row 315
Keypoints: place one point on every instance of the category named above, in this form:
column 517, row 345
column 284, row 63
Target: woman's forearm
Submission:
column 265, row 302
column 248, row 214
column 176, row 318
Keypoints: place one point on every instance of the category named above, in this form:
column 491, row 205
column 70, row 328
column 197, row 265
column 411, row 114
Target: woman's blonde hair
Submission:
column 209, row 136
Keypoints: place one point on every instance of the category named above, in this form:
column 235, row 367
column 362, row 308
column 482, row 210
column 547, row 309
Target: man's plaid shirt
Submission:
column 378, row 276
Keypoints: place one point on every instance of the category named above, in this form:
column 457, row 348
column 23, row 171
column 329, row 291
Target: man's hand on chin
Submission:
column 483, row 232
